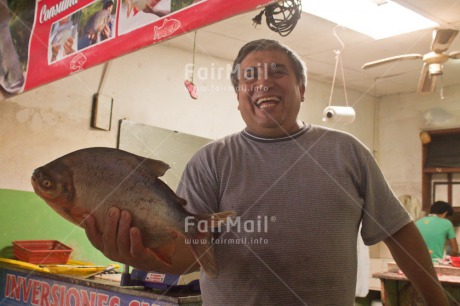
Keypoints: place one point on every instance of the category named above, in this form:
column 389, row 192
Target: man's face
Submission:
column 269, row 94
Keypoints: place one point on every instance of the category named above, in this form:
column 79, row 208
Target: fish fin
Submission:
column 200, row 242
column 164, row 252
column 217, row 219
column 135, row 10
column 157, row 166
column 201, row 247
column 181, row 201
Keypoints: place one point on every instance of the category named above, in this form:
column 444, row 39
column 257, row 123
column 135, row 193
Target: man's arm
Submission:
column 122, row 243
column 453, row 247
column 412, row 257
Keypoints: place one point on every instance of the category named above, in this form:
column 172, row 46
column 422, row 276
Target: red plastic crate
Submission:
column 455, row 260
column 41, row 251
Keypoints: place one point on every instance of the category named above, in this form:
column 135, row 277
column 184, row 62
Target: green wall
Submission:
column 24, row 216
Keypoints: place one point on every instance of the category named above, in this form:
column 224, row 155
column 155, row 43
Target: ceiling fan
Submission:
column 432, row 61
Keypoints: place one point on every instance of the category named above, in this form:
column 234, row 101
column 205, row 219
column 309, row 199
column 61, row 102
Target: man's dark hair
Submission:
column 440, row 207
column 268, row 45
column 107, row 4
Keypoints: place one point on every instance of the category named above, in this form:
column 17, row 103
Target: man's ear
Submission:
column 238, row 98
column 302, row 91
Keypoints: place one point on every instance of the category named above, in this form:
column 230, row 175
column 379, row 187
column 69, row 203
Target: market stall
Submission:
column 396, row 290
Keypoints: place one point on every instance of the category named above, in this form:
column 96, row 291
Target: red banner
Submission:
column 43, row 41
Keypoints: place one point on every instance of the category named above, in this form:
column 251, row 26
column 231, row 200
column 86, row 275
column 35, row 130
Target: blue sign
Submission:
column 17, row 288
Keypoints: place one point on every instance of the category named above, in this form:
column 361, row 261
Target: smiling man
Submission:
column 269, row 89
column 316, row 185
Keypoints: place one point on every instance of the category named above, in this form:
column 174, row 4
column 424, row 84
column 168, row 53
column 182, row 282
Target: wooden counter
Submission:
column 25, row 287
column 396, row 290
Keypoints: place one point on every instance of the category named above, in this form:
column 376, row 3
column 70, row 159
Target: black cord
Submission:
column 258, row 19
column 281, row 17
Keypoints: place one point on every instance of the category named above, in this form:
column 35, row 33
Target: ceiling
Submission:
column 313, row 39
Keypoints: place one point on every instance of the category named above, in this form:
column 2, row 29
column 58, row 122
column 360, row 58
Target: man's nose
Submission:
column 264, row 82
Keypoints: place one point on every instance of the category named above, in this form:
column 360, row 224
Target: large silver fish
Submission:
column 63, row 34
column 97, row 22
column 94, row 179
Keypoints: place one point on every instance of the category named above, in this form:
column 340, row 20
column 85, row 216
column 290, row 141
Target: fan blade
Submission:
column 392, row 59
column 442, row 39
column 455, row 55
column 427, row 82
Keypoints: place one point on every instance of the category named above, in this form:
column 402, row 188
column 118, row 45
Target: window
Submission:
column 441, row 169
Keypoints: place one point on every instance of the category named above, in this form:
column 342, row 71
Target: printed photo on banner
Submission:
column 16, row 21
column 89, row 26
column 135, row 14
column 63, row 37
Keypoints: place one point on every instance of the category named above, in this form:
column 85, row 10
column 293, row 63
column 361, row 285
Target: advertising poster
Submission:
column 44, row 40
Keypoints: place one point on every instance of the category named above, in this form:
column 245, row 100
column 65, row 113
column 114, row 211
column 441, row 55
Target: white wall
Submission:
column 400, row 121
column 147, row 87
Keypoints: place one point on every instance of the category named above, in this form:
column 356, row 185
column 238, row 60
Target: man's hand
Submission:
column 105, row 33
column 54, row 51
column 68, row 46
column 122, row 243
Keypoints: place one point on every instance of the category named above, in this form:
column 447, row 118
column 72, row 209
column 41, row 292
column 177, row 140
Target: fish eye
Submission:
column 46, row 183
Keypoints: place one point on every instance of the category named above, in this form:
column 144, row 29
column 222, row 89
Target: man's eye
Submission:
column 277, row 72
column 249, row 74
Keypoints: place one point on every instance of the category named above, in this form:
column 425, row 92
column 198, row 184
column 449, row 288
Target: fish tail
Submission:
column 202, row 249
column 217, row 219
column 201, row 241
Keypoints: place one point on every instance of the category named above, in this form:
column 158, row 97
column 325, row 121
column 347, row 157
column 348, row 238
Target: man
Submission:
column 98, row 27
column 59, row 48
column 436, row 229
column 314, row 185
column 107, row 30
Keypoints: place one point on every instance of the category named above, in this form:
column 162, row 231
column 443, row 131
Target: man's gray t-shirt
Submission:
column 299, row 201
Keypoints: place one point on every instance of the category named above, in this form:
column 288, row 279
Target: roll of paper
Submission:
column 342, row 114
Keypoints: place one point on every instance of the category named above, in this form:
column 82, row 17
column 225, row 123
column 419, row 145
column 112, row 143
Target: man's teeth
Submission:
column 265, row 99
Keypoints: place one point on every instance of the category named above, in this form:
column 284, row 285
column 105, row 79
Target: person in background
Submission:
column 60, row 49
column 316, row 185
column 436, row 229
column 88, row 39
column 108, row 28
